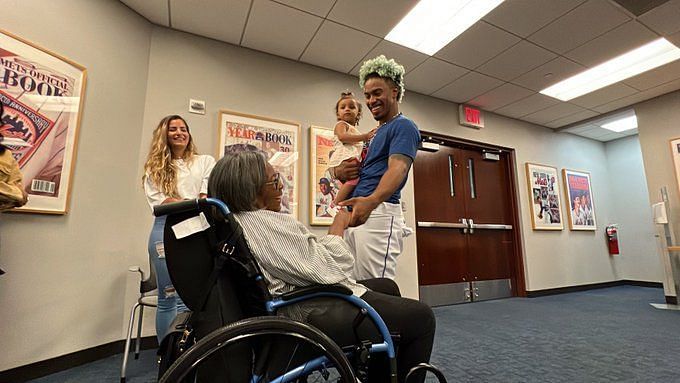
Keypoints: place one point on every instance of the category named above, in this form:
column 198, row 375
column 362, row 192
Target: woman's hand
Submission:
column 340, row 223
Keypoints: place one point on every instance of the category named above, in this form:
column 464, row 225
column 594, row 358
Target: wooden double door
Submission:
column 466, row 224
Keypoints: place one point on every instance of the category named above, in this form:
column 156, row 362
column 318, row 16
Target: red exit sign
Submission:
column 470, row 116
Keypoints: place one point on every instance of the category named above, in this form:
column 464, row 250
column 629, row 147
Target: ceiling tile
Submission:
column 668, row 87
column 432, row 75
column 552, row 113
column 620, row 103
column 576, row 117
column 610, row 136
column 294, row 29
column 317, row 7
column 549, row 73
column 604, row 95
column 527, row 105
column 580, row 25
column 216, row 19
column 376, row 17
column 156, row 11
column 655, row 77
column 516, row 61
column 409, row 58
column 675, row 39
column 323, row 50
column 580, row 128
column 500, row 97
column 524, row 17
column 467, row 87
column 596, row 133
column 478, row 44
column 618, row 41
column 664, row 18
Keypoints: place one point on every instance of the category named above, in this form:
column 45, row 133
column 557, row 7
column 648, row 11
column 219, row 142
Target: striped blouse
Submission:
column 291, row 256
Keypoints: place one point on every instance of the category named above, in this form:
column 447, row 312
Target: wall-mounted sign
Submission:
column 470, row 116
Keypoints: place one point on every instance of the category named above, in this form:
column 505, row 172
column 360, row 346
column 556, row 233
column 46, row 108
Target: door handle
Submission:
column 491, row 226
column 451, row 179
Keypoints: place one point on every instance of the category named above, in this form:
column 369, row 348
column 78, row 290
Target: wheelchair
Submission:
column 240, row 337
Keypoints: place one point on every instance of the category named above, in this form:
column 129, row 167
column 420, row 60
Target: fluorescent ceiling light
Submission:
column 623, row 124
column 432, row 24
column 639, row 60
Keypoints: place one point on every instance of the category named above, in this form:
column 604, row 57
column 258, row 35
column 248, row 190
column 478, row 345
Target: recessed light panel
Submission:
column 432, row 24
column 639, row 60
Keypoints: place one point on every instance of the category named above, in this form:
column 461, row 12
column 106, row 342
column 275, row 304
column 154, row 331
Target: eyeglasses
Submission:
column 278, row 184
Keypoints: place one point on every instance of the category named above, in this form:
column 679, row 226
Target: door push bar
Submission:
column 467, row 225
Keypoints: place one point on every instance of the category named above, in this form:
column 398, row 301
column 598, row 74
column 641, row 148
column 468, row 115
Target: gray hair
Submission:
column 238, row 177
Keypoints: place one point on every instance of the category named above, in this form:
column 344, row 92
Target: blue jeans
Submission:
column 169, row 303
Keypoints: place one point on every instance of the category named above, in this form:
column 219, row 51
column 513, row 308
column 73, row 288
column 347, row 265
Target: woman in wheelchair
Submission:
column 290, row 257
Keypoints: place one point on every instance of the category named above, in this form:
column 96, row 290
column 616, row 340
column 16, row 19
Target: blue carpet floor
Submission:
column 604, row 335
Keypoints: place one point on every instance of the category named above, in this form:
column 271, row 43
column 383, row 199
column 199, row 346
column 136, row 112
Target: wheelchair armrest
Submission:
column 302, row 291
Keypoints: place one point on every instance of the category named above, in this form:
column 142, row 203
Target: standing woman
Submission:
column 173, row 171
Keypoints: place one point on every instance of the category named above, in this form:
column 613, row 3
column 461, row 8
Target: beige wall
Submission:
column 70, row 290
column 658, row 123
column 256, row 83
column 639, row 259
column 65, row 286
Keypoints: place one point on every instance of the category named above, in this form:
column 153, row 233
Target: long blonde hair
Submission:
column 159, row 166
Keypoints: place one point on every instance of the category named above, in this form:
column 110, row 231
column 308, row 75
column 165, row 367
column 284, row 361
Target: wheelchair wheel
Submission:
column 263, row 350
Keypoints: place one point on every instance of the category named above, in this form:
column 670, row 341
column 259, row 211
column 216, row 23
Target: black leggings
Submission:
column 412, row 320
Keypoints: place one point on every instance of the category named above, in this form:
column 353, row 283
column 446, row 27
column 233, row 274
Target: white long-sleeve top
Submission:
column 291, row 256
column 192, row 179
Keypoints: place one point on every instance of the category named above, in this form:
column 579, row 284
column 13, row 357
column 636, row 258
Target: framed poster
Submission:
column 580, row 198
column 675, row 153
column 322, row 187
column 42, row 94
column 278, row 138
column 544, row 191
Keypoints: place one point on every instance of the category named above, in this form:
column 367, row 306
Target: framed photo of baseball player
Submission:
column 675, row 153
column 42, row 94
column 322, row 187
column 280, row 139
column 544, row 191
column 579, row 193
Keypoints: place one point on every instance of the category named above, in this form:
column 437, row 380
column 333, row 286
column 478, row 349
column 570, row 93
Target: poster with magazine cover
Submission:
column 544, row 191
column 675, row 154
column 42, row 94
column 278, row 138
column 323, row 188
column 579, row 193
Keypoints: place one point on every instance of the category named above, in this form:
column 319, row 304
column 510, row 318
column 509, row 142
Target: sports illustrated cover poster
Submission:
column 323, row 187
column 580, row 200
column 42, row 95
column 278, row 138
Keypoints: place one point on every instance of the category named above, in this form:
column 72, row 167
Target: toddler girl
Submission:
column 348, row 141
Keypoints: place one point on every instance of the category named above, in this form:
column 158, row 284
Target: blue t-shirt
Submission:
column 399, row 136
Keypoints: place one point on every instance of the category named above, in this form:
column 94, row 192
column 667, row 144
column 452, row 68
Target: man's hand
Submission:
column 347, row 170
column 361, row 209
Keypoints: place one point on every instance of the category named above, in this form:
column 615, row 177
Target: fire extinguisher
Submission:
column 612, row 239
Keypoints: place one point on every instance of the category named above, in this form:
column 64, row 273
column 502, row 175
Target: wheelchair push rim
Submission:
column 331, row 356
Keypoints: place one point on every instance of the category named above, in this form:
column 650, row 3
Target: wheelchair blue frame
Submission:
column 273, row 305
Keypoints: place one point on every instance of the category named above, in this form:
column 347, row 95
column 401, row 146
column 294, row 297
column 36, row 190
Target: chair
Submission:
column 147, row 284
